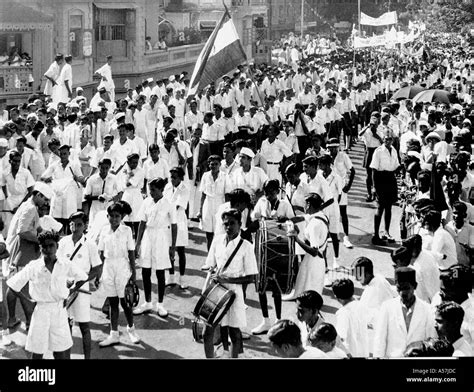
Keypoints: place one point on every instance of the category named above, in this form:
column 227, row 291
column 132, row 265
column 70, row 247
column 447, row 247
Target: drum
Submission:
column 199, row 326
column 214, row 304
column 276, row 259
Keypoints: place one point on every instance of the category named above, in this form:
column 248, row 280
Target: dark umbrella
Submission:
column 439, row 96
column 407, row 92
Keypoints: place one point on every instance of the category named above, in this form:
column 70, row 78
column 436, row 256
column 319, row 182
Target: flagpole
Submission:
column 302, row 19
column 358, row 15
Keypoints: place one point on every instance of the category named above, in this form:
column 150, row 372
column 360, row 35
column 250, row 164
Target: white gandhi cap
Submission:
column 247, row 151
column 44, row 189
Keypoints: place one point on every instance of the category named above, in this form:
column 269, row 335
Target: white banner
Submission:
column 383, row 20
column 389, row 39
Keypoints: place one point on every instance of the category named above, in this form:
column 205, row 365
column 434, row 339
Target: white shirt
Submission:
column 312, row 353
column 317, row 185
column 214, row 132
column 408, row 135
column 441, row 245
column 101, row 154
column 374, row 295
column 171, row 157
column 263, row 209
column 122, row 151
column 351, row 326
column 116, row 244
column 250, row 181
column 462, row 348
column 108, row 187
column 47, row 286
column 342, row 164
column 244, row 262
column 86, row 257
column 211, row 188
column 154, row 170
column 384, row 159
column 17, row 188
column 369, row 139
column 106, row 71
column 427, row 276
column 274, row 152
column 297, row 194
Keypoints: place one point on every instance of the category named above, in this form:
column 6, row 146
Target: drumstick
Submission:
column 73, row 175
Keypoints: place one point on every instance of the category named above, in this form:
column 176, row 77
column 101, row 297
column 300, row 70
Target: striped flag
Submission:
column 222, row 53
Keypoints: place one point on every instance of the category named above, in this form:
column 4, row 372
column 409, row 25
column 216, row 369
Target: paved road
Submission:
column 172, row 337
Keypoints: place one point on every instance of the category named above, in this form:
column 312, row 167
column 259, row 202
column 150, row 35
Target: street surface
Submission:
column 171, row 337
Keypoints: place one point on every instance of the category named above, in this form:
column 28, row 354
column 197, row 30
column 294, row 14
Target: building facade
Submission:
column 89, row 31
column 26, row 50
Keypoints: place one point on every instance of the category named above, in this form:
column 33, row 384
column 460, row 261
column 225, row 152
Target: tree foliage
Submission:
column 448, row 16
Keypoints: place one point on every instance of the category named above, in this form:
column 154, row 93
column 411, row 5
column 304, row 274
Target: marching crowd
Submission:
column 94, row 188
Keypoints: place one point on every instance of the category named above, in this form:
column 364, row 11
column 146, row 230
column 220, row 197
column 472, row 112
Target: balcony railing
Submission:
column 16, row 80
column 155, row 59
column 246, row 3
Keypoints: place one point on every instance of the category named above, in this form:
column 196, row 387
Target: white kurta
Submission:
column 179, row 197
column 52, row 72
column 312, row 269
column 66, row 191
column 159, row 216
column 65, row 77
column 243, row 264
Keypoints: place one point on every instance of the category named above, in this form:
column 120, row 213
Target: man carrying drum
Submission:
column 239, row 269
column 271, row 207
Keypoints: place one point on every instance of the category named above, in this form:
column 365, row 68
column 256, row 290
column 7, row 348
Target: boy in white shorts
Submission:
column 48, row 278
column 117, row 252
column 84, row 254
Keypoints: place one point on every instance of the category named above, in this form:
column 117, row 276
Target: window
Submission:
column 111, row 25
column 115, row 29
column 76, row 31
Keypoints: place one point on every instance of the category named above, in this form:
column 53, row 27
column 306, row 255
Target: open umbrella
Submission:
column 439, row 96
column 407, row 92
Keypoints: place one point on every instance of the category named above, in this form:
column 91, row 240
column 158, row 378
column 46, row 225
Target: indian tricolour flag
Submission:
column 222, row 53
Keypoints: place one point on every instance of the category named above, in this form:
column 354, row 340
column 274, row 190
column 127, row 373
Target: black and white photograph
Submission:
column 237, row 179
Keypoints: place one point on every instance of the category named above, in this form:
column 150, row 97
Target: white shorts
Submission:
column 115, row 277
column 334, row 223
column 49, row 329
column 343, row 201
column 80, row 309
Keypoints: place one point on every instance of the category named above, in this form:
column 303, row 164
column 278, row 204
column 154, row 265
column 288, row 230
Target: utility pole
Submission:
column 302, row 18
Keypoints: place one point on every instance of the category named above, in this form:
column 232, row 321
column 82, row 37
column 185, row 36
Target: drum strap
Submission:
column 327, row 225
column 233, row 254
column 75, row 251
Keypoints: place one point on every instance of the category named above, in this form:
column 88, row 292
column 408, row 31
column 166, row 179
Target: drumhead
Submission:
column 198, row 330
column 276, row 256
column 214, row 303
column 225, row 302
